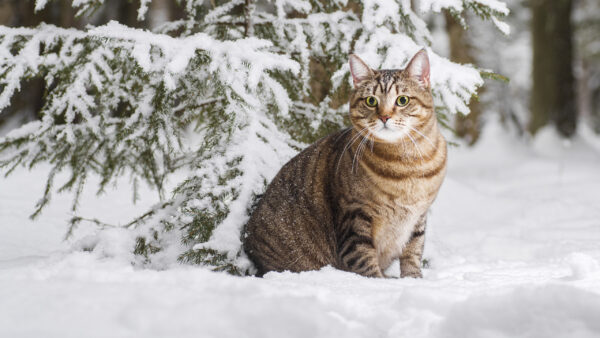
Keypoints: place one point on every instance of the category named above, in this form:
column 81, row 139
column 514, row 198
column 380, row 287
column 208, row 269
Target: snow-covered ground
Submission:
column 513, row 246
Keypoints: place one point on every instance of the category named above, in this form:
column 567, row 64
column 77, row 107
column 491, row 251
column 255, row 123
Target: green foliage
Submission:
column 218, row 261
column 146, row 248
column 481, row 10
column 494, row 76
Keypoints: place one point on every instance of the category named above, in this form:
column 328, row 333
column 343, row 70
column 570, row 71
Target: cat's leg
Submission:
column 410, row 259
column 355, row 245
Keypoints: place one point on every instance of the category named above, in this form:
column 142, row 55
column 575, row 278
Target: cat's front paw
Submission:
column 411, row 273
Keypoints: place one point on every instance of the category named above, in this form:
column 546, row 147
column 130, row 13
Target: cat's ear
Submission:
column 418, row 68
column 359, row 69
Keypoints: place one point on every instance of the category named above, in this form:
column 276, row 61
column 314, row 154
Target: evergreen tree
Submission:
column 509, row 55
column 468, row 126
column 553, row 92
column 587, row 25
column 229, row 93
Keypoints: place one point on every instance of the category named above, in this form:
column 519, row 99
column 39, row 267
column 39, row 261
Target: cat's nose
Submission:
column 384, row 118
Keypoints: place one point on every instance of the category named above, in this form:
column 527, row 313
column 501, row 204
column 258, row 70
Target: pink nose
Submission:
column 384, row 118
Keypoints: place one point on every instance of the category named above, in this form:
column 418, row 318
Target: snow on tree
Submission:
column 226, row 93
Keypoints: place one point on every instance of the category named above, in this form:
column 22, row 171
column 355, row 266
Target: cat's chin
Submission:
column 388, row 135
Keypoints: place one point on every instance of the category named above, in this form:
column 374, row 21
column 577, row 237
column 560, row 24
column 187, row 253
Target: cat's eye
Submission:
column 371, row 101
column 402, row 100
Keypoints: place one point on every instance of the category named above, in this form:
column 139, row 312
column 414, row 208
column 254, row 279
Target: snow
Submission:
column 143, row 9
column 502, row 26
column 40, row 4
column 497, row 9
column 260, row 161
column 459, row 5
column 512, row 245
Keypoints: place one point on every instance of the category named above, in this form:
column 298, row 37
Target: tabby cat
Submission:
column 357, row 199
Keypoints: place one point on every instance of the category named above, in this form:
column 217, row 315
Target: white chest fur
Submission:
column 394, row 230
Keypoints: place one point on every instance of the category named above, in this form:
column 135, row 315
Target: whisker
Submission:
column 342, row 134
column 367, row 139
column 403, row 146
column 362, row 153
column 356, row 154
column 426, row 138
column 350, row 142
column 413, row 140
column 416, row 147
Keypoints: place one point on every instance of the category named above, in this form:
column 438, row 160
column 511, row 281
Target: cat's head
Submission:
column 386, row 104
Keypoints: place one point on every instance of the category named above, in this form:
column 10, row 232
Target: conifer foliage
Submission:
column 226, row 94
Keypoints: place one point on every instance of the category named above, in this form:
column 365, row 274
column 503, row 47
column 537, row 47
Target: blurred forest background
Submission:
column 551, row 58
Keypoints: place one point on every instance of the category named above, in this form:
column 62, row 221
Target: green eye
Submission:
column 402, row 100
column 371, row 101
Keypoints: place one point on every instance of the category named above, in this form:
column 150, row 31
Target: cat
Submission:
column 357, row 199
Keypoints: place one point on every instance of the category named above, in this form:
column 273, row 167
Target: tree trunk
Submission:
column 553, row 93
column 467, row 127
column 162, row 11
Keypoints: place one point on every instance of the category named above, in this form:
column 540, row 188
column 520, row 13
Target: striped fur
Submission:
column 357, row 199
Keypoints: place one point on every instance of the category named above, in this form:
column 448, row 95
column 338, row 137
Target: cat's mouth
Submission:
column 387, row 133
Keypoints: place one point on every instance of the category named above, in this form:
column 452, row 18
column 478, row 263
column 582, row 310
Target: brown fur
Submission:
column 354, row 200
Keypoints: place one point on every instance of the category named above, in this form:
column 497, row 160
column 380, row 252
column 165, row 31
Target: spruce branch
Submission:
column 76, row 220
column 249, row 8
